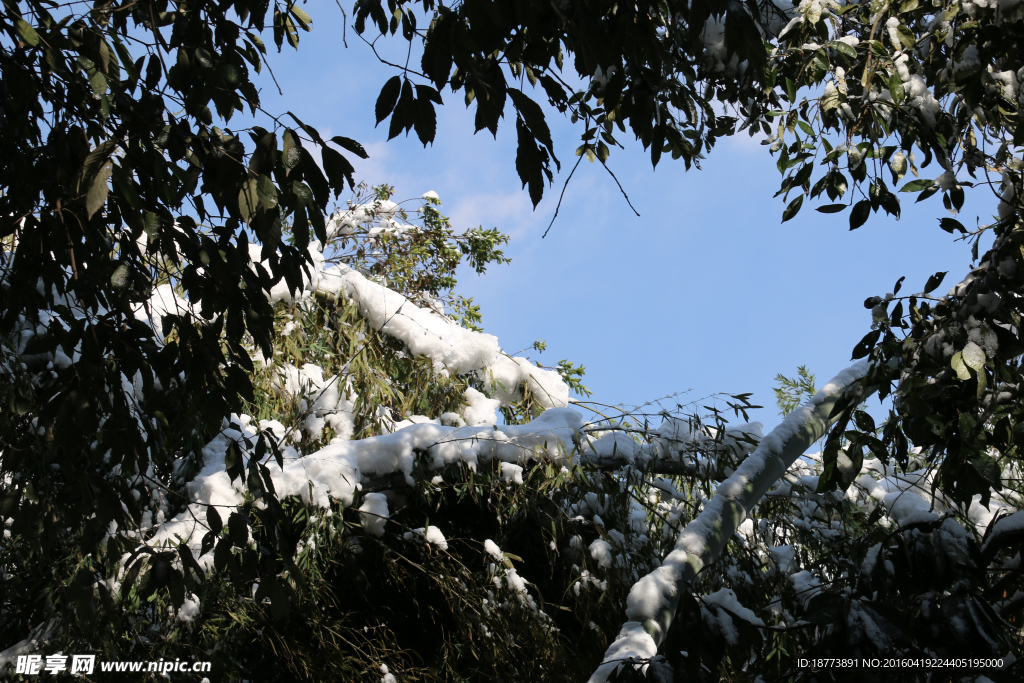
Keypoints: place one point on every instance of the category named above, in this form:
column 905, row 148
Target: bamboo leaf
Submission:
column 27, row 32
column 96, row 197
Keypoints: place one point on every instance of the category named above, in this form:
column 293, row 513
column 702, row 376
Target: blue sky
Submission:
column 706, row 290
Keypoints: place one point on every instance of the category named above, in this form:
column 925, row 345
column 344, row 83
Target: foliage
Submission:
column 790, row 393
column 852, row 98
column 115, row 404
column 646, row 60
column 419, row 264
column 115, row 171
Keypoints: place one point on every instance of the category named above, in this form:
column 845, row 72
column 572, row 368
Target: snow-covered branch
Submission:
column 652, row 601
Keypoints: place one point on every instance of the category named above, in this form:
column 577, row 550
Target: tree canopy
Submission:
column 241, row 425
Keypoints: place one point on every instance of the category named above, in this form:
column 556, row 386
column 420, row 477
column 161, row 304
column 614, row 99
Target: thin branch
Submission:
column 279, row 91
column 561, row 196
column 620, row 186
column 405, row 69
column 344, row 40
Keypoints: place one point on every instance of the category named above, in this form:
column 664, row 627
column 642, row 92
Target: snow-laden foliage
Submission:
column 397, row 462
column 303, row 458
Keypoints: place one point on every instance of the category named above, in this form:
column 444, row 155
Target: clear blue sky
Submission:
column 705, row 291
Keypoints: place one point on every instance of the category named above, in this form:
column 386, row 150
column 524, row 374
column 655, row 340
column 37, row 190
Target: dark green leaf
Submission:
column 388, row 98
column 305, row 196
column 351, row 145
column 958, row 365
column 917, row 185
column 338, row 170
column 974, row 357
column 188, row 560
column 291, row 153
column 528, row 163
column 859, row 214
column 233, row 461
column 267, row 192
column 222, row 553
column 864, row 421
column 793, row 208
column 934, row 281
column 302, row 17
column 956, row 196
column 404, row 116
column 951, row 224
column 865, row 345
column 831, row 208
column 238, row 530
column 98, row 191
column 213, row 519
column 27, row 32
column 425, row 120
column 844, row 49
column 248, row 199
column 896, row 90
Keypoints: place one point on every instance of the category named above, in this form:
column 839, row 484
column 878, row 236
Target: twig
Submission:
column 279, row 91
column 561, row 196
column 405, row 69
column 619, row 184
column 343, row 26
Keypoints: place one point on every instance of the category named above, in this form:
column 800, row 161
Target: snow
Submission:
column 632, row 641
column 891, row 26
column 348, row 221
column 163, row 301
column 431, row 535
column 617, row 444
column 721, row 624
column 908, row 508
column 189, row 610
column 863, row 627
column 911, row 498
column 601, row 551
column 323, row 400
column 38, row 638
column 715, row 46
column 492, row 549
column 451, row 347
column 426, row 333
column 336, row 471
column 1011, row 525
column 373, row 513
column 783, row 556
column 674, row 442
column 704, row 537
column 806, row 585
column 655, row 590
column 586, row 578
column 505, row 376
column 1008, row 84
column 726, row 598
column 918, row 96
column 870, row 560
column 480, row 410
column 511, row 474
